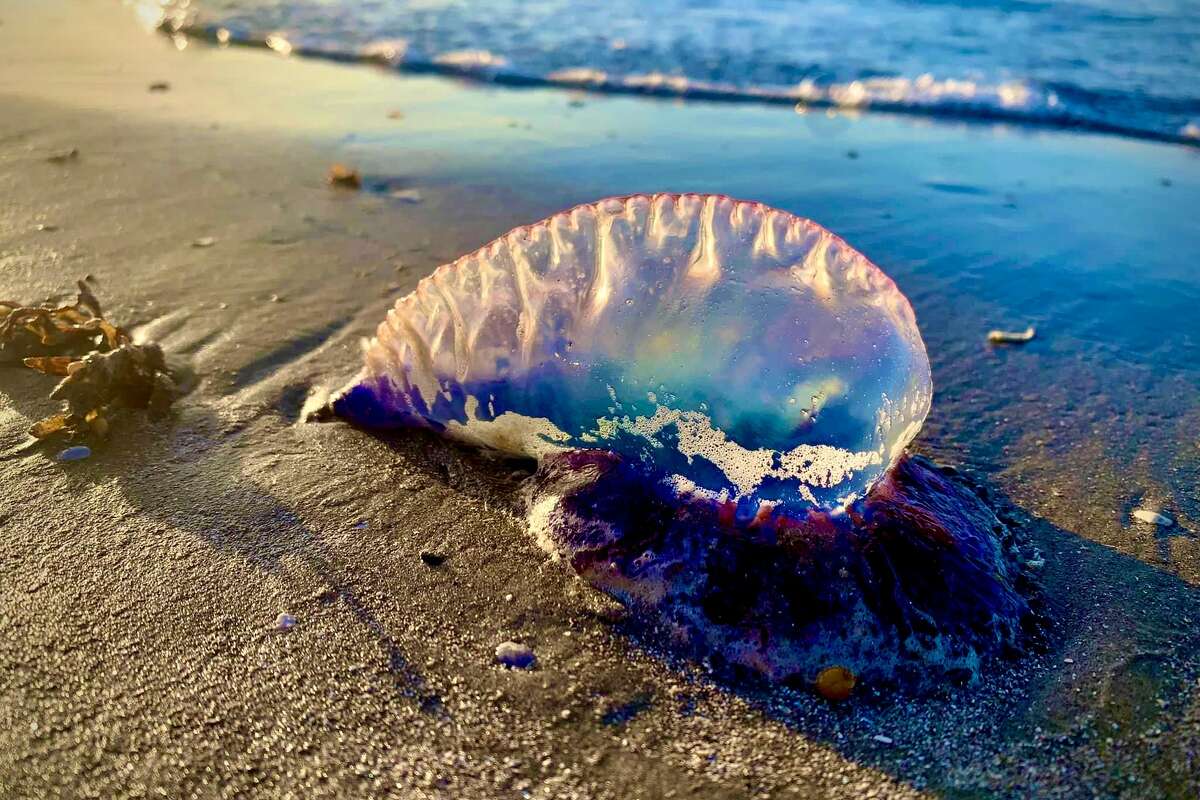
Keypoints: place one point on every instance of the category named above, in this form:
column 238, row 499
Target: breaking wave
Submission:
column 647, row 54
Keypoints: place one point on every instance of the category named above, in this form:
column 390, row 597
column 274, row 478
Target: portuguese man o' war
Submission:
column 726, row 346
column 719, row 395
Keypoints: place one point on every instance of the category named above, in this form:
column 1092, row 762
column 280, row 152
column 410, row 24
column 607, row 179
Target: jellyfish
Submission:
column 719, row 396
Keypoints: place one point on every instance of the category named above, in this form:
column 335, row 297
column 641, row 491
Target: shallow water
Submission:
column 1127, row 66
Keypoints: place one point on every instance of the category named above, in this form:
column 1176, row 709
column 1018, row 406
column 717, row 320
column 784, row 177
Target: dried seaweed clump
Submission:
column 102, row 369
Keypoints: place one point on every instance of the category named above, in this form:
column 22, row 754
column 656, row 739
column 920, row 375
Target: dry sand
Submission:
column 140, row 589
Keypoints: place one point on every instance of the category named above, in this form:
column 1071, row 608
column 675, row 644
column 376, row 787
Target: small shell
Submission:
column 1011, row 337
column 1153, row 517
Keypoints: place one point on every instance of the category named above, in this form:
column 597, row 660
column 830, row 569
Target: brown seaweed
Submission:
column 35, row 331
column 102, row 369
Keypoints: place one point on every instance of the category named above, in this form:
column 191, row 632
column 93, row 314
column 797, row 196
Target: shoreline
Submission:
column 142, row 585
column 835, row 98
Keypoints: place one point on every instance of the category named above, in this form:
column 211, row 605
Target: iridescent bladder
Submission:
column 729, row 349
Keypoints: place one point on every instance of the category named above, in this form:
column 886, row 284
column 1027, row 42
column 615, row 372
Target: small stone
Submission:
column 1068, row 661
column 204, row 241
column 1153, row 517
column 285, row 622
column 344, row 177
column 515, row 655
column 63, row 156
column 879, row 737
column 160, row 86
column 78, row 453
column 835, row 683
column 395, row 115
column 47, row 227
column 508, row 598
column 432, row 559
column 565, row 714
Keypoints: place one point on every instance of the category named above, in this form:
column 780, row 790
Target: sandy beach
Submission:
column 140, row 589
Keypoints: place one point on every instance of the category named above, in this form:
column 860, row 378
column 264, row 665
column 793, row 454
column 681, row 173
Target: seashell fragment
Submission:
column 1152, row 517
column 1011, row 337
column 730, row 349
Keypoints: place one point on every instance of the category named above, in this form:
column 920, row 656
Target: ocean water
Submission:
column 1125, row 66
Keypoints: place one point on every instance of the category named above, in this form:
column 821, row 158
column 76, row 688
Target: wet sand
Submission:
column 139, row 589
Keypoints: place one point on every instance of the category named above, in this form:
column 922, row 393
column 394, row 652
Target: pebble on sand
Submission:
column 1153, row 517
column 515, row 655
column 344, row 177
column 78, row 453
column 160, row 86
column 835, row 683
column 1011, row 337
column 285, row 622
column 204, row 241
